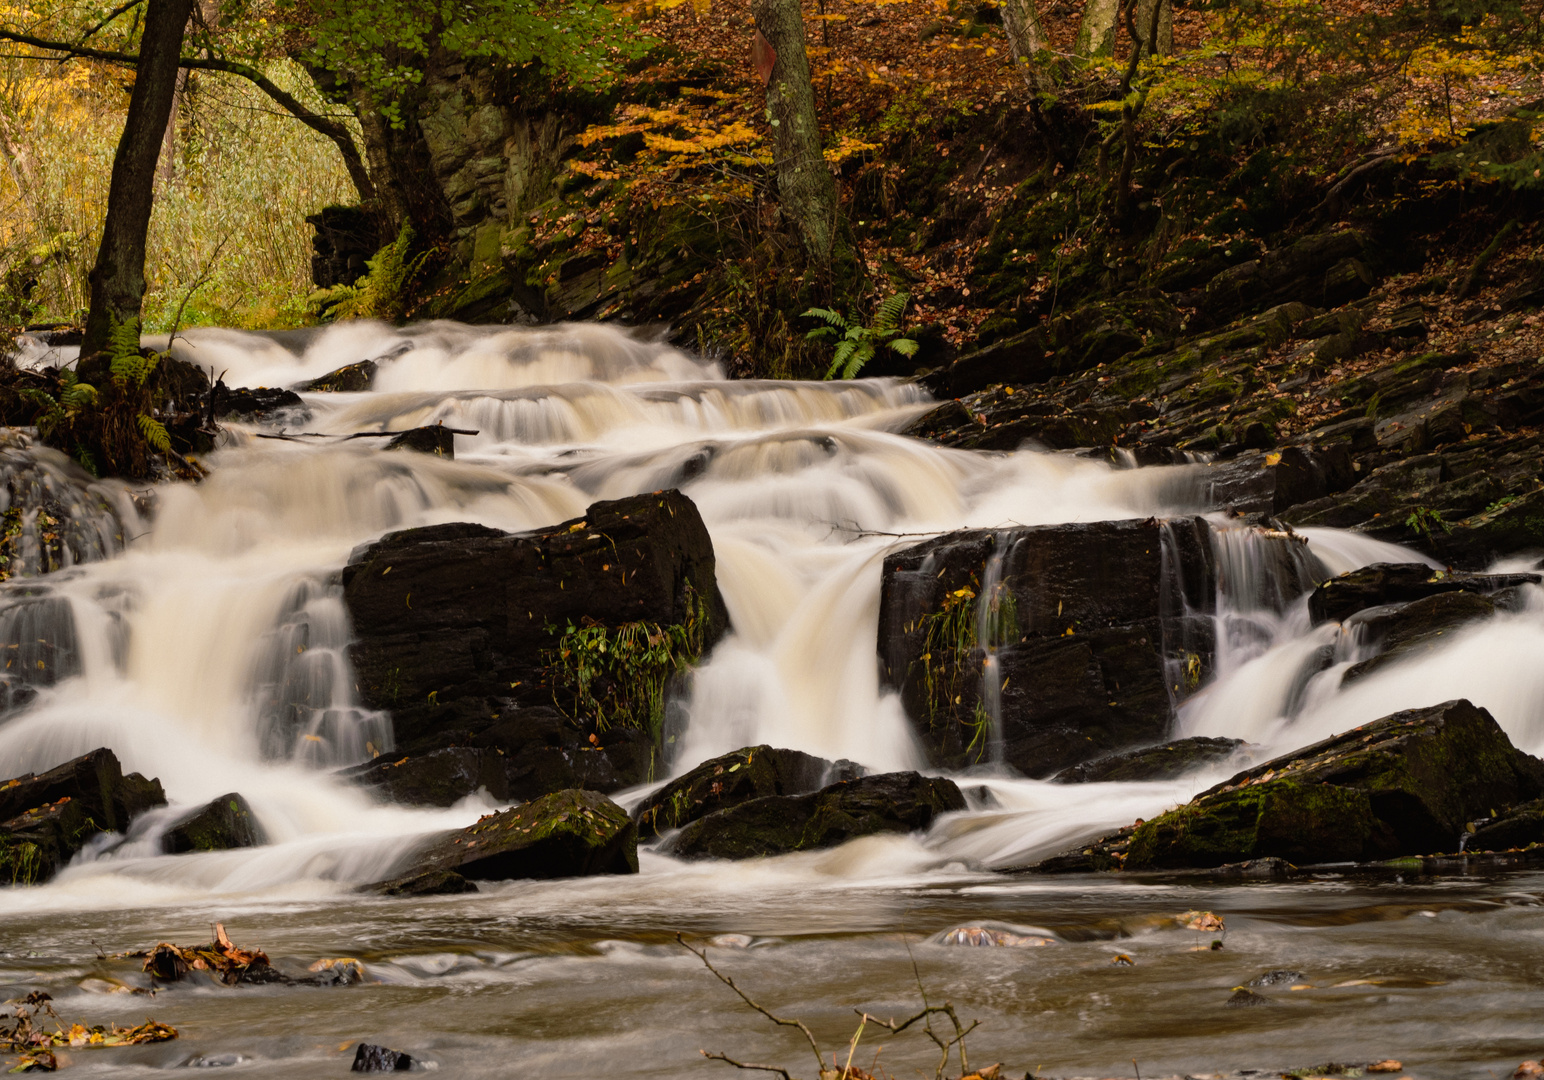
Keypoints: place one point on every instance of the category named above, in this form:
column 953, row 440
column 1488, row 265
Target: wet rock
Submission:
column 992, row 937
column 349, row 379
column 1414, row 628
column 1096, row 626
column 545, row 751
column 246, row 404
column 564, row 834
column 369, row 1058
column 437, row 778
column 458, row 627
column 1404, row 785
column 219, row 825
column 436, row 439
column 776, row 824
column 1163, row 762
column 1399, row 583
column 45, row 818
column 1018, row 359
column 1243, row 998
column 429, row 883
column 752, row 772
column 1516, row 828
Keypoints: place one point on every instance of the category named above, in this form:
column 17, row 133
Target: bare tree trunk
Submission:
column 1155, row 24
column 118, row 280
column 805, row 185
column 1026, row 40
column 1096, row 35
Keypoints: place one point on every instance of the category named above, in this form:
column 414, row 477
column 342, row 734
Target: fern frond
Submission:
column 904, row 346
column 889, row 315
column 77, row 396
column 835, row 318
column 154, row 432
column 861, row 355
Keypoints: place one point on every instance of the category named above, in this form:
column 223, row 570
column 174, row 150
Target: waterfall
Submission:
column 207, row 644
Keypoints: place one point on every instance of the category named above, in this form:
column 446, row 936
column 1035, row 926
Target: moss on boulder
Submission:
column 752, row 772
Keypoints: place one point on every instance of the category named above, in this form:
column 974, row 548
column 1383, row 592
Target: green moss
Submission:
column 21, row 862
column 1278, row 818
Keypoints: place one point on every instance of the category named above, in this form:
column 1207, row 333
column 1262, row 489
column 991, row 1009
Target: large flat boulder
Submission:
column 563, row 834
column 752, row 772
column 1098, row 629
column 460, row 626
column 45, row 818
column 1408, row 784
column 778, row 824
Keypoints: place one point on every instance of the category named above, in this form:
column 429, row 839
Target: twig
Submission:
column 946, row 1009
column 702, row 954
column 198, row 283
column 1477, row 269
column 746, row 1064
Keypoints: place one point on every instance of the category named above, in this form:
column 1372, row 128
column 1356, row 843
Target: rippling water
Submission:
column 186, row 642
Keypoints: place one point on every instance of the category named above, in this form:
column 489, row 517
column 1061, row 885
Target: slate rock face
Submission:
column 1407, row 784
column 778, row 824
column 45, row 818
column 1097, row 628
column 1400, row 583
column 564, row 834
column 219, row 825
column 752, row 772
column 456, row 625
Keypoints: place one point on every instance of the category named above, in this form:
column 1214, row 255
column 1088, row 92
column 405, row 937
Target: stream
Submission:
column 183, row 640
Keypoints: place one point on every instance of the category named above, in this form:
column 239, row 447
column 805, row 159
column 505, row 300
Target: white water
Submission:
column 211, row 650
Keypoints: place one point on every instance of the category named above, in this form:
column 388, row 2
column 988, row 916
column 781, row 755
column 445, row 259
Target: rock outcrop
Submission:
column 1095, row 630
column 45, row 818
column 564, row 834
column 1412, row 783
column 464, row 632
column 778, row 824
column 752, row 772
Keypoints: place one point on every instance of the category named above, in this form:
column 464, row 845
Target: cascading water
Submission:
column 209, row 650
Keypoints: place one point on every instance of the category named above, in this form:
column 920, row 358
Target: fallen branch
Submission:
column 702, row 954
column 747, row 1064
column 1471, row 282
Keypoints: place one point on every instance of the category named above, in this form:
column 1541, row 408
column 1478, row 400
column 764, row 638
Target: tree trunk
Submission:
column 1096, row 36
column 805, row 185
column 1026, row 40
column 1155, row 23
column 118, row 280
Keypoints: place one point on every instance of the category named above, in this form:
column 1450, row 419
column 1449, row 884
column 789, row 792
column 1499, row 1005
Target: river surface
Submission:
column 185, row 640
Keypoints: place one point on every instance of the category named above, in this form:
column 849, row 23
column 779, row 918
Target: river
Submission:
column 181, row 637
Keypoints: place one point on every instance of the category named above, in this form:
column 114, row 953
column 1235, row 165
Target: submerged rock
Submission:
column 564, row 834
column 370, row 1058
column 752, row 772
column 1407, row 784
column 776, row 824
column 461, row 628
column 1162, row 762
column 221, row 824
column 45, row 818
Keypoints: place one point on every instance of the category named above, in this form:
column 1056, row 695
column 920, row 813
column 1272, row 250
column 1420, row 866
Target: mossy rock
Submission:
column 348, row 379
column 219, row 825
column 1162, row 762
column 568, row 833
column 1407, row 784
column 752, row 772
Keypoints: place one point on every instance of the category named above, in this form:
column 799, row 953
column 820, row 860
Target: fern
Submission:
column 154, row 433
column 859, row 343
